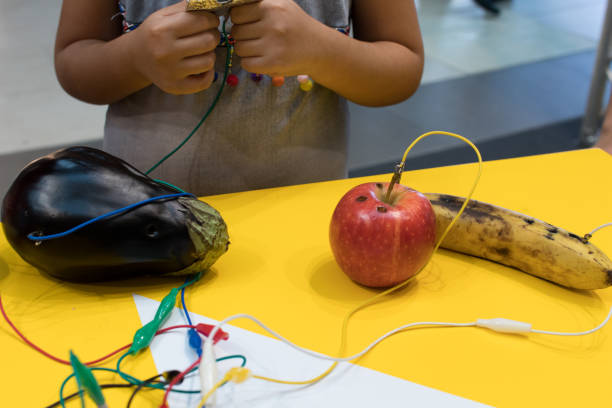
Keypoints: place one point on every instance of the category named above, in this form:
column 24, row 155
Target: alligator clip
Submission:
column 206, row 329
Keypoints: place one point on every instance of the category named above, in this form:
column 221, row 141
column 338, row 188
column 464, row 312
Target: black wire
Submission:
column 58, row 403
column 138, row 388
column 168, row 376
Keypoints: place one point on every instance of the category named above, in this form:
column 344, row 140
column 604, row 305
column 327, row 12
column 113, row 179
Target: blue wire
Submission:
column 191, row 282
column 194, row 339
column 185, row 307
column 136, row 381
column 33, row 237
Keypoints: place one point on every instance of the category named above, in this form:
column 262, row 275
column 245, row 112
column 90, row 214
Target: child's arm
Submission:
column 172, row 48
column 382, row 65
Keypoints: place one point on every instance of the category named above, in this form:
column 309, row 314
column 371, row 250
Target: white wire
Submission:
column 383, row 337
column 600, row 227
column 325, row 356
column 602, row 324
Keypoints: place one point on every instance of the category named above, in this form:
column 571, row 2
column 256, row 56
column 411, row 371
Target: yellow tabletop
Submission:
column 280, row 269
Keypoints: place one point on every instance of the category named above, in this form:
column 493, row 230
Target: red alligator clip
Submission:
column 206, row 329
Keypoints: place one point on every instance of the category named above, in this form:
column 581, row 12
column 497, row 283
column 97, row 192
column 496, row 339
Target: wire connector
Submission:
column 238, row 374
column 208, row 372
column 397, row 175
column 504, row 325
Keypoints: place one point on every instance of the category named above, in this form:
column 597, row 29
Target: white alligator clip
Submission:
column 209, row 375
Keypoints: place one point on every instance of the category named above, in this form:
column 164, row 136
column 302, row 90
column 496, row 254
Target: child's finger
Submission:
column 192, row 84
column 249, row 13
column 243, row 32
column 197, row 44
column 249, row 48
column 191, row 22
column 197, row 64
column 257, row 64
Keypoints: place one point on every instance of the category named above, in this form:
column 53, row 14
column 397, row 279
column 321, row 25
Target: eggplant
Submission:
column 71, row 186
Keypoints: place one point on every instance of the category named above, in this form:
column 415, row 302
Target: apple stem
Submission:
column 397, row 175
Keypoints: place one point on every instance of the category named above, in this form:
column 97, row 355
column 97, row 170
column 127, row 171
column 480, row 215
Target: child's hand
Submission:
column 174, row 49
column 275, row 37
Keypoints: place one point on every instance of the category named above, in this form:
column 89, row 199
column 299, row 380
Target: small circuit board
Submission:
column 215, row 5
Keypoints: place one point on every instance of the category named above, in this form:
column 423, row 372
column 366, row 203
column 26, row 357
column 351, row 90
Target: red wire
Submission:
column 59, row 360
column 178, row 378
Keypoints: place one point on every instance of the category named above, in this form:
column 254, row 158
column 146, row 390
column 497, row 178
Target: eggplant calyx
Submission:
column 207, row 231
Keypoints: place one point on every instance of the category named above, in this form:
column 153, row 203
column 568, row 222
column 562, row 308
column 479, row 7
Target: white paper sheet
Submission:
column 349, row 385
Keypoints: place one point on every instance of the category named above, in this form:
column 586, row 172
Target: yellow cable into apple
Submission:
column 396, row 179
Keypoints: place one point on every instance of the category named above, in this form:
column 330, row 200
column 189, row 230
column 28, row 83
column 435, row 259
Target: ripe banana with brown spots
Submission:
column 525, row 243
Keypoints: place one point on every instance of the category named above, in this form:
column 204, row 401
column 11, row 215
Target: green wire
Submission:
column 125, row 376
column 240, row 356
column 85, row 379
column 212, row 106
column 191, row 282
column 137, row 382
column 61, row 393
column 170, row 185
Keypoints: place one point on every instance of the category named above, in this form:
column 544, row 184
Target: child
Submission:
column 154, row 64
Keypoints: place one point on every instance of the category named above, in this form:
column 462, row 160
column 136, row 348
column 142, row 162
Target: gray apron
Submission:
column 257, row 136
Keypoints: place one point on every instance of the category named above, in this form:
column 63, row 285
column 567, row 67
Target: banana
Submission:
column 516, row 240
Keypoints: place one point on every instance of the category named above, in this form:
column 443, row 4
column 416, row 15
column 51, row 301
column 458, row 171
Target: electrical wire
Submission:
column 61, row 391
column 75, row 394
column 234, row 374
column 344, row 329
column 49, row 355
column 506, row 326
column 582, row 333
column 34, row 237
column 133, row 395
column 323, row 356
column 588, row 236
column 103, row 386
column 193, row 338
column 66, row 362
column 509, row 326
column 185, row 307
column 150, row 380
column 192, row 368
column 190, row 282
column 131, row 380
column 178, row 378
column 228, row 62
column 513, row 325
column 180, row 190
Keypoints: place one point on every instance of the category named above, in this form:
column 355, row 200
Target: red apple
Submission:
column 379, row 243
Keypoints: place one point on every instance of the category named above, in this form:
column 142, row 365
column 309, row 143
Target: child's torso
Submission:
column 257, row 136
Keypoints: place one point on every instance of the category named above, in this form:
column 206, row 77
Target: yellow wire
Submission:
column 235, row 374
column 345, row 322
column 210, row 392
column 373, row 299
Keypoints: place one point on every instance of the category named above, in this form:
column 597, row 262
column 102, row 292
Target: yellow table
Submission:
column 280, row 269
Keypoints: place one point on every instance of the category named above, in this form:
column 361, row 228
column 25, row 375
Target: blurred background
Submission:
column 514, row 82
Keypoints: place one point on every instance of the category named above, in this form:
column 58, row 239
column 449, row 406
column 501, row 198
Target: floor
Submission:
column 515, row 84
